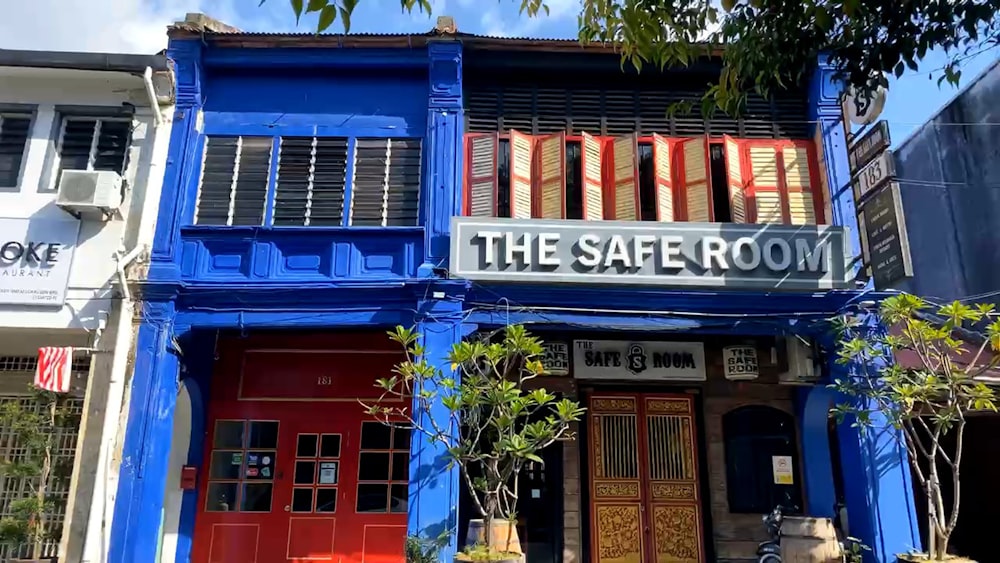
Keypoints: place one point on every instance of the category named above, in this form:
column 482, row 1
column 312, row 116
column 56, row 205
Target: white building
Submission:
column 67, row 245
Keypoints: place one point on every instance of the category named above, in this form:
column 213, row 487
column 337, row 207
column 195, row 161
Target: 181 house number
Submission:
column 324, row 380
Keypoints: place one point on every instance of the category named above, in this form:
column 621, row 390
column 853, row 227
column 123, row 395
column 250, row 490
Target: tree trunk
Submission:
column 43, row 486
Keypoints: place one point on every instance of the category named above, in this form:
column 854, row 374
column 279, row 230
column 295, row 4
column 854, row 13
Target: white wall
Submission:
column 93, row 268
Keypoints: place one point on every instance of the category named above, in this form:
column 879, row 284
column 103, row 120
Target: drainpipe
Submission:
column 95, row 546
column 147, row 79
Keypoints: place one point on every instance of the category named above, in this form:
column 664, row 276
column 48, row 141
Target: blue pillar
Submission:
column 178, row 172
column 813, row 410
column 826, row 113
column 145, row 453
column 434, row 487
column 442, row 175
column 877, row 483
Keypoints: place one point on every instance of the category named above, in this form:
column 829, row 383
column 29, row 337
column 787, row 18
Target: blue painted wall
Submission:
column 206, row 278
column 948, row 173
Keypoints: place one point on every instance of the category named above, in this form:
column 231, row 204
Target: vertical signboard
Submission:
column 884, row 246
column 883, row 237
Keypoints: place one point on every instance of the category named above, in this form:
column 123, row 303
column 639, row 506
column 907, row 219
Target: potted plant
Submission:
column 492, row 427
column 923, row 402
column 30, row 458
column 424, row 550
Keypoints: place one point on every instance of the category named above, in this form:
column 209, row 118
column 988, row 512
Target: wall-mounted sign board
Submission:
column 877, row 173
column 555, row 358
column 716, row 255
column 645, row 361
column 740, row 363
column 866, row 147
column 884, row 241
column 36, row 257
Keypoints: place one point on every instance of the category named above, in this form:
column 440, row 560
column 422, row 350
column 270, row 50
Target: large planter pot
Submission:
column 502, row 535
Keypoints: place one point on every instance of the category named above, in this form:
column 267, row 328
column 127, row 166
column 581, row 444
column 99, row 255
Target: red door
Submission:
column 295, row 470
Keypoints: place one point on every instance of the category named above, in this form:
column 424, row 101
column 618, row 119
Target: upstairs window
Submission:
column 317, row 182
column 15, row 128
column 87, row 143
column 631, row 178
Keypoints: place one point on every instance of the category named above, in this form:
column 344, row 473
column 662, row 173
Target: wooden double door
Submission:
column 645, row 496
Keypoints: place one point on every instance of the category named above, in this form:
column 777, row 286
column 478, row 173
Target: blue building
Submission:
column 321, row 190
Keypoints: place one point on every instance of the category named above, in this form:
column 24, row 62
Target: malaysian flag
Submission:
column 55, row 367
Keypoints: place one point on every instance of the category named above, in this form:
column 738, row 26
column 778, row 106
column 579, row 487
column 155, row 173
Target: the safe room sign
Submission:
column 631, row 360
column 740, row 363
column 772, row 257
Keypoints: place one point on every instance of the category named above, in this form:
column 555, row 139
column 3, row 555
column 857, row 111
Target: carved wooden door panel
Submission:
column 644, row 493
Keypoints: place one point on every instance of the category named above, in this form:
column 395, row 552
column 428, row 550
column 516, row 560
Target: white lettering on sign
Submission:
column 745, row 254
column 740, row 362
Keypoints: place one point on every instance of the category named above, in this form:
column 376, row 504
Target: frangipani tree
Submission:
column 493, row 427
column 927, row 400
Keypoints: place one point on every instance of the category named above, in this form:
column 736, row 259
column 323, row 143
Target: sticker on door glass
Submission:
column 328, row 473
column 252, row 472
column 265, row 472
column 237, row 459
column 251, row 460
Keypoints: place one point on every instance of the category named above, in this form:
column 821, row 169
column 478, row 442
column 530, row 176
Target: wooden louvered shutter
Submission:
column 550, row 177
column 765, row 196
column 521, row 151
column 802, row 192
column 734, row 180
column 481, row 174
column 625, row 178
column 696, row 187
column 234, row 177
column 593, row 195
column 14, row 133
column 663, row 178
column 309, row 189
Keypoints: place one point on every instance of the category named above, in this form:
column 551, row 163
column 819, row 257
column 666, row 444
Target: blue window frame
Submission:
column 309, row 181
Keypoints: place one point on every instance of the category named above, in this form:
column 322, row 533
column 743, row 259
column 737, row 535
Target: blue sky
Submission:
column 139, row 26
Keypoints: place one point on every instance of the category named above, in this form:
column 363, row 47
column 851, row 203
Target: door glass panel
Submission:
column 330, row 446
column 373, row 466
column 305, row 472
column 228, row 434
column 302, row 500
column 319, row 477
column 326, row 500
column 263, row 434
column 226, row 465
column 241, row 478
column 256, row 497
column 373, row 497
column 383, row 468
column 221, row 497
column 306, row 446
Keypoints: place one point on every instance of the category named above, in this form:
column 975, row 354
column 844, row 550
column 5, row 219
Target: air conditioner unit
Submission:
column 802, row 369
column 90, row 193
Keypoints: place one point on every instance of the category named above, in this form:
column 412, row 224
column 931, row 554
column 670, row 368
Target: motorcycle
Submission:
column 770, row 551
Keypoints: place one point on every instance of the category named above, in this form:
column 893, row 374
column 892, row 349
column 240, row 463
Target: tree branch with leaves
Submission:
column 492, row 426
column 765, row 45
column 926, row 399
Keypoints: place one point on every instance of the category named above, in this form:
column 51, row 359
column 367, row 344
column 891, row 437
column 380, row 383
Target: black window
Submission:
column 758, row 440
column 14, row 132
column 234, row 179
column 94, row 144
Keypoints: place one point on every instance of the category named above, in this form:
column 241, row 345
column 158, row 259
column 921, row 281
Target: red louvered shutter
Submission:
column 550, row 176
column 481, row 174
column 624, row 169
column 663, row 177
column 765, row 202
column 521, row 157
column 593, row 195
column 695, row 180
column 732, row 149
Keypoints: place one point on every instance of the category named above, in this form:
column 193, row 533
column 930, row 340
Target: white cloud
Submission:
column 511, row 24
column 126, row 26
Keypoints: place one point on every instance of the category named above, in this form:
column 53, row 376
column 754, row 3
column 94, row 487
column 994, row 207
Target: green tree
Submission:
column 492, row 427
column 769, row 44
column 924, row 402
